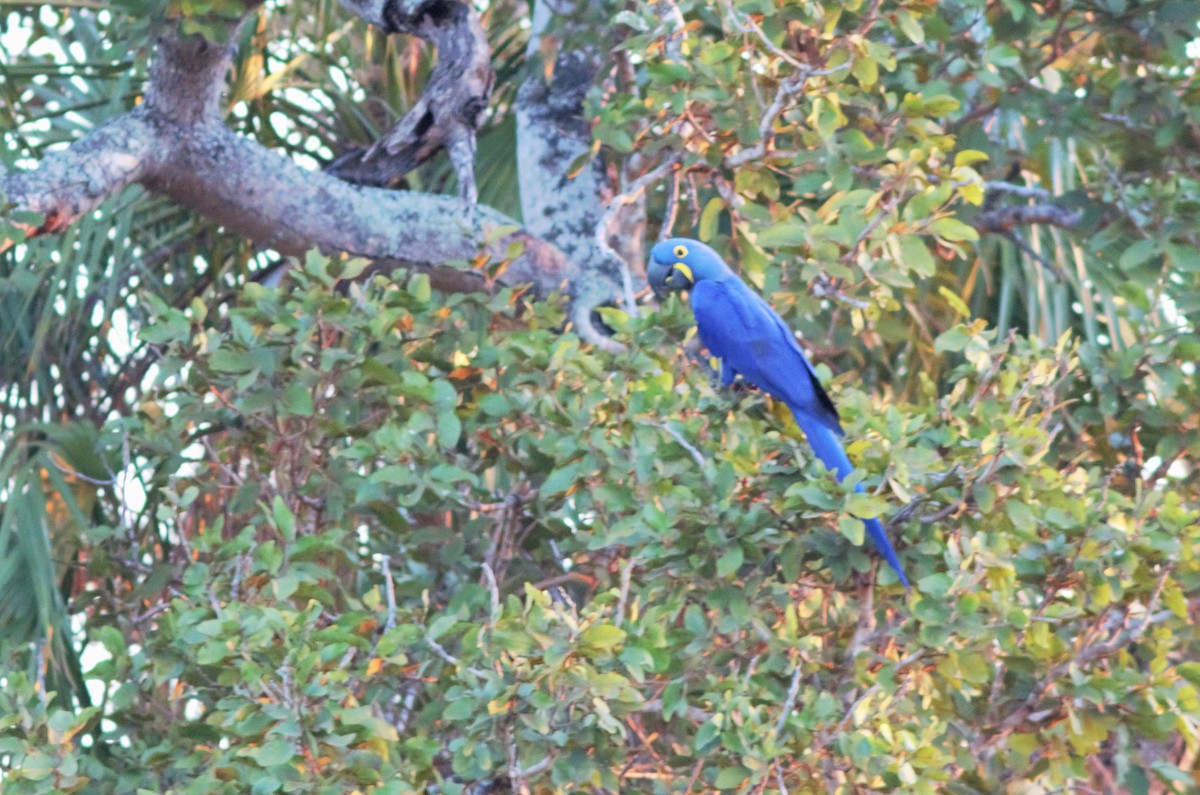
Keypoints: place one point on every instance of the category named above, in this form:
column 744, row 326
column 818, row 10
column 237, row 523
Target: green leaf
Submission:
column 316, row 265
column 1185, row 259
column 1169, row 773
column 731, row 778
column 973, row 667
column 715, row 53
column 853, row 530
column 1175, row 600
column 1021, row 515
column 449, row 429
column 935, row 106
column 787, row 233
column 285, row 585
column 955, row 302
column 614, row 318
column 461, row 709
column 275, row 752
column 953, row 340
column 224, row 360
column 420, row 288
column 866, row 71
column 911, row 27
column 935, row 585
column 559, row 480
column 866, row 506
column 915, row 254
column 265, row 784
column 580, row 162
column 298, row 400
column 709, row 218
column 602, row 637
column 285, row 520
column 969, row 157
column 1138, row 253
column 669, row 72
column 352, row 268
column 952, row 229
column 615, row 137
column 1189, row 671
column 730, row 562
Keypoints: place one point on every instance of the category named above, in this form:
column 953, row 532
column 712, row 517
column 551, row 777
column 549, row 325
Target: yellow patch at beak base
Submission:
column 685, row 270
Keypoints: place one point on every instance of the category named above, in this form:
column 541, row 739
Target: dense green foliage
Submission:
column 361, row 536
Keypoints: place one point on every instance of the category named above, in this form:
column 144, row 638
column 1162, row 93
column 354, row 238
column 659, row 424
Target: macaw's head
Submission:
column 678, row 263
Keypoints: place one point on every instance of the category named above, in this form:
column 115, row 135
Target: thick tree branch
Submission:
column 187, row 80
column 452, row 106
column 176, row 144
column 561, row 200
column 268, row 198
column 72, row 182
column 1027, row 191
column 1003, row 219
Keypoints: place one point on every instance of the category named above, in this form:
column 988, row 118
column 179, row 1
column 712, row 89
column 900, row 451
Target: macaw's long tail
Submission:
column 828, row 447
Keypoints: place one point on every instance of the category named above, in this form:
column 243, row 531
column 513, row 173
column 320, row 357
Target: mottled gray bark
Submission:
column 176, row 144
column 452, row 106
column 267, row 197
column 568, row 209
column 70, row 183
column 1004, row 219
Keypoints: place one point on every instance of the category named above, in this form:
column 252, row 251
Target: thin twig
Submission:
column 66, row 470
column 390, row 591
column 1003, row 219
column 746, row 24
column 790, row 86
column 696, row 455
column 407, row 703
column 783, row 790
column 511, row 501
column 789, row 703
column 858, row 702
column 866, row 621
column 1049, row 267
column 672, row 208
column 824, row 287
column 489, row 577
column 623, row 597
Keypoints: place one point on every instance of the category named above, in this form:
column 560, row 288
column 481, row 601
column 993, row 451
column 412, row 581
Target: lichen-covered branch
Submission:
column 1003, row 219
column 263, row 195
column 176, row 144
column 563, row 192
column 70, row 183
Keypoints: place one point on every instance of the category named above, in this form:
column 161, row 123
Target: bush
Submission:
column 406, row 539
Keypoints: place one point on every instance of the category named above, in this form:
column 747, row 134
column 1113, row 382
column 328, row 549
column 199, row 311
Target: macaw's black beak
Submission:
column 656, row 274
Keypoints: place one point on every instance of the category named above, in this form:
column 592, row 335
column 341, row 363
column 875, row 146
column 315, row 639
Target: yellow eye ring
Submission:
column 680, row 252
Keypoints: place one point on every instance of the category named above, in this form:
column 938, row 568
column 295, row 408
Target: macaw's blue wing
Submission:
column 750, row 338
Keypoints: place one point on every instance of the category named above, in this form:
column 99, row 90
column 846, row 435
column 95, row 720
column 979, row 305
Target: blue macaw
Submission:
column 752, row 341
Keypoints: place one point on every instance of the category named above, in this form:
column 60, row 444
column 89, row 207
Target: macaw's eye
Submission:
column 680, row 252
